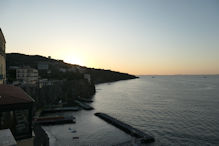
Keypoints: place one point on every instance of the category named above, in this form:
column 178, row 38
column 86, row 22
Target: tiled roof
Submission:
column 12, row 95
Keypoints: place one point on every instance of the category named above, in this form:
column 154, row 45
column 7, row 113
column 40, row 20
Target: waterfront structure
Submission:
column 16, row 111
column 2, row 59
column 27, row 75
column 142, row 137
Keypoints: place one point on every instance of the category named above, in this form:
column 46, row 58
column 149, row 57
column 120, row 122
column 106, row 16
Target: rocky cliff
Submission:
column 66, row 91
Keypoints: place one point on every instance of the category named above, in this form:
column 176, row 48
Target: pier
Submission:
column 143, row 137
column 60, row 109
column 84, row 99
column 54, row 120
column 84, row 105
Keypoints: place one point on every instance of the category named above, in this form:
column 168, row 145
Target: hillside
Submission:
column 97, row 75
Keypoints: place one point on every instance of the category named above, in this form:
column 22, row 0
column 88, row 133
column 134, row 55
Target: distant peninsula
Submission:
column 56, row 81
column 97, row 75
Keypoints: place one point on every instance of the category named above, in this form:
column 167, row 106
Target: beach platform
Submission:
column 141, row 136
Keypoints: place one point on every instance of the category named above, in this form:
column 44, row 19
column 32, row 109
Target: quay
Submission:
column 141, row 136
column 54, row 120
column 84, row 105
column 60, row 109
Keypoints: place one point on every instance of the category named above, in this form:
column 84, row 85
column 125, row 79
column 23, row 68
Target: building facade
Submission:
column 27, row 75
column 2, row 59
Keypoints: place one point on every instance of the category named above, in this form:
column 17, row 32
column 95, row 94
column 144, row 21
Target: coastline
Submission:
column 52, row 138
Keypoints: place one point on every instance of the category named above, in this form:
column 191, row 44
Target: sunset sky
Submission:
column 134, row 36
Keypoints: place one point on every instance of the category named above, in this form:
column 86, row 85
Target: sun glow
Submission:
column 73, row 60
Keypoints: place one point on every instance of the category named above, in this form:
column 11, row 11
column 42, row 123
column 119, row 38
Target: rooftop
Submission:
column 11, row 95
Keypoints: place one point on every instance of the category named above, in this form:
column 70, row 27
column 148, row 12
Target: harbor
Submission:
column 88, row 130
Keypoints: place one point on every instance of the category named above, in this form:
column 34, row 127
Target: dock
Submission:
column 84, row 99
column 60, row 109
column 84, row 105
column 141, row 136
column 54, row 120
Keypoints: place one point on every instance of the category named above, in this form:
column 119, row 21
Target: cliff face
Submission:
column 66, row 91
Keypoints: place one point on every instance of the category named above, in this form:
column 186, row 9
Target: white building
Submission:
column 27, row 75
column 2, row 59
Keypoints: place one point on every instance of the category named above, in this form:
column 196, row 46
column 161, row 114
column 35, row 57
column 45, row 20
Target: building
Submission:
column 2, row 59
column 87, row 77
column 27, row 75
column 73, row 69
column 81, row 69
column 62, row 70
column 16, row 111
column 42, row 66
column 44, row 82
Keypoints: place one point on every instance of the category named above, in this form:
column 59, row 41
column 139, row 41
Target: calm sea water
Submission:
column 176, row 110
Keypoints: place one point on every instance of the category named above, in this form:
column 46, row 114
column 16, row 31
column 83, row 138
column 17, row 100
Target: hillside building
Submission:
column 27, row 75
column 2, row 59
column 42, row 66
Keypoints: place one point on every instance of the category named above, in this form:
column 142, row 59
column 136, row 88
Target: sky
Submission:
column 134, row 36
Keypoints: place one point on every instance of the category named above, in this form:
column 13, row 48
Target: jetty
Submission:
column 54, row 120
column 60, row 109
column 84, row 105
column 84, row 99
column 141, row 136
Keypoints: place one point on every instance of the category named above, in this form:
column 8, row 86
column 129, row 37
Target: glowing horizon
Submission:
column 136, row 37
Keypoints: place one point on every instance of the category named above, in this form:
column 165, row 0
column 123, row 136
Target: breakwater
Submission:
column 143, row 137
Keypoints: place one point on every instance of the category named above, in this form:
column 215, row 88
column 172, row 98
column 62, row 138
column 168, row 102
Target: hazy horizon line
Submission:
column 180, row 74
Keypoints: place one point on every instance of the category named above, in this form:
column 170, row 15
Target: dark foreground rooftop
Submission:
column 12, row 95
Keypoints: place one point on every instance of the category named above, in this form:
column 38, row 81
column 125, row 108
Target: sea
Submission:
column 176, row 110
